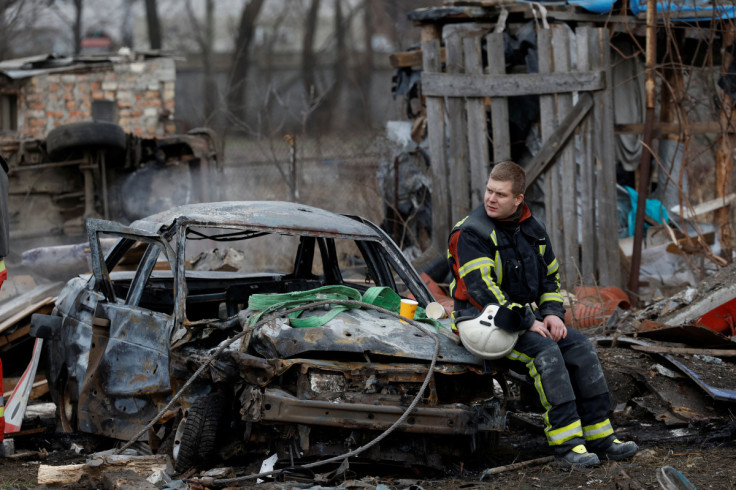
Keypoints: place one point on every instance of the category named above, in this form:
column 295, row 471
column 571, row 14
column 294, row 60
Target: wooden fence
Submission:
column 575, row 102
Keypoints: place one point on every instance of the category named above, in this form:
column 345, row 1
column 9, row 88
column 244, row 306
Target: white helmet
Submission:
column 483, row 338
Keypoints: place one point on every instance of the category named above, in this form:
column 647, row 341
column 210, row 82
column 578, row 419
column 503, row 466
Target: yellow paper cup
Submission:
column 408, row 307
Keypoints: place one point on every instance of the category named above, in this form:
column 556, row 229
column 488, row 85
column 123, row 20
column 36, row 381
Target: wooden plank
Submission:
column 551, row 146
column 657, row 349
column 478, row 151
column 470, row 85
column 547, row 111
column 15, row 335
column 94, row 469
column 704, row 207
column 609, row 264
column 28, row 310
column 499, row 105
column 693, row 127
column 457, row 162
column 587, row 173
column 407, row 59
column 441, row 222
column 568, row 169
column 21, row 302
column 548, row 125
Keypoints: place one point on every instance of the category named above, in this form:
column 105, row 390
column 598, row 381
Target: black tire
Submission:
column 62, row 142
column 204, row 427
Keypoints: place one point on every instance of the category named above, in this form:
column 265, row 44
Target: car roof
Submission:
column 279, row 215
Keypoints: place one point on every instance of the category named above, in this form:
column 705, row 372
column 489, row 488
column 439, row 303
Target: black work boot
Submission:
column 618, row 450
column 579, row 457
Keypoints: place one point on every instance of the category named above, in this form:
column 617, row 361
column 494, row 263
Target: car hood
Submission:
column 357, row 331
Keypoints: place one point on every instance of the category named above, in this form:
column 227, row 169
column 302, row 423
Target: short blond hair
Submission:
column 509, row 171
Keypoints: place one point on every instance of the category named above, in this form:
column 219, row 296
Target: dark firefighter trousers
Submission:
column 572, row 389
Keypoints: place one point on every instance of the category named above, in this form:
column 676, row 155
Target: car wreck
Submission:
column 151, row 324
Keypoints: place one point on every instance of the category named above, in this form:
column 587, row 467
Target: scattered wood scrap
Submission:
column 95, row 468
column 516, row 466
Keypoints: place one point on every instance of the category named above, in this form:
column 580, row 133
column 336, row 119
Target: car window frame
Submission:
column 127, row 236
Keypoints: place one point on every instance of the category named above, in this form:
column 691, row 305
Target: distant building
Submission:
column 133, row 90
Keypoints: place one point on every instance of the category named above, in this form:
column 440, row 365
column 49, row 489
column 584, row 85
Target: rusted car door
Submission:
column 127, row 377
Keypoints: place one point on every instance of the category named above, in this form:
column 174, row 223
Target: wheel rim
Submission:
column 177, row 438
column 66, row 409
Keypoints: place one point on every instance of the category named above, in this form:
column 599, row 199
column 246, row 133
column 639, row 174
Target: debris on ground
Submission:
column 670, row 367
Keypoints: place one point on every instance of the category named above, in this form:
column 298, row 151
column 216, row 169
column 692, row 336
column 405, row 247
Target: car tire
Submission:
column 202, row 429
column 63, row 141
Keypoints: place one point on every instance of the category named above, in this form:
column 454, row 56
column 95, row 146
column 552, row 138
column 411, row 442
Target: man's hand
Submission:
column 540, row 328
column 552, row 327
column 556, row 327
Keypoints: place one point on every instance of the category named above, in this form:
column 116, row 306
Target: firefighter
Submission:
column 500, row 254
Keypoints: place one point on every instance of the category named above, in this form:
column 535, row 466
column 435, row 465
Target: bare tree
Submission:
column 239, row 72
column 77, row 26
column 154, row 24
column 75, row 23
column 308, row 57
column 204, row 36
column 10, row 11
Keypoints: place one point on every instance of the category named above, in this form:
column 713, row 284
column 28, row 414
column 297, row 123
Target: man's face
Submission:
column 500, row 201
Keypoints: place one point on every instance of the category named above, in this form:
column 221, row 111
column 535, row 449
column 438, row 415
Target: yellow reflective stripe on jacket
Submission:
column 2, row 265
column 564, row 434
column 2, row 411
column 552, row 267
column 598, row 431
column 484, row 265
column 497, row 258
column 550, row 297
column 474, row 265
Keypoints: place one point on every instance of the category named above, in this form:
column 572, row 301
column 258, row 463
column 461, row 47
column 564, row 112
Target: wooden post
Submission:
column 568, row 198
column 607, row 249
column 587, row 172
column 646, row 156
column 441, row 221
column 547, row 123
column 477, row 126
column 457, row 161
column 499, row 105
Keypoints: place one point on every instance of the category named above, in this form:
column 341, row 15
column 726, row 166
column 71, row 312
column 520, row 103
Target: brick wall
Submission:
column 142, row 93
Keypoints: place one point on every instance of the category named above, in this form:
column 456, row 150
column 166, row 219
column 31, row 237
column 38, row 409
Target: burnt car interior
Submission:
column 221, row 295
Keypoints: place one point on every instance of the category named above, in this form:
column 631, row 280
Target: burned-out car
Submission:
column 316, row 382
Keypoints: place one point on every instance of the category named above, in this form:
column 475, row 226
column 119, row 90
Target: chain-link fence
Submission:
column 336, row 172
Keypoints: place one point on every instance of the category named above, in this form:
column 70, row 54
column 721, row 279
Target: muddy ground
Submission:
column 703, row 451
column 706, row 463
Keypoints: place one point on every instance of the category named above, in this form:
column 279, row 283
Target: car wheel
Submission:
column 197, row 434
column 66, row 408
column 62, row 141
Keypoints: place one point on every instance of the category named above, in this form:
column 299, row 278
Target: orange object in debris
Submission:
column 594, row 305
column 721, row 318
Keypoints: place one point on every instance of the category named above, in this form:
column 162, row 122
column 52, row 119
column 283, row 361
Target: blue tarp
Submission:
column 688, row 10
column 679, row 10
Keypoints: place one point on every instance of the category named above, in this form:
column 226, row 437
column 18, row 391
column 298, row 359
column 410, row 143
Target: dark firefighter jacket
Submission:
column 509, row 263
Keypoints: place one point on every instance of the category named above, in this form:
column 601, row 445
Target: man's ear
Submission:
column 519, row 199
